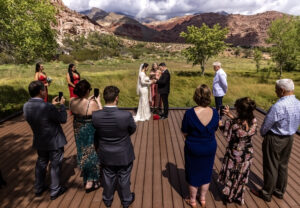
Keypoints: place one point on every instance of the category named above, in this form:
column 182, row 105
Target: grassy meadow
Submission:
column 243, row 80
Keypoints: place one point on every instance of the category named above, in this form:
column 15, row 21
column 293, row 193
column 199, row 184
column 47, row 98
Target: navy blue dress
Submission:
column 200, row 147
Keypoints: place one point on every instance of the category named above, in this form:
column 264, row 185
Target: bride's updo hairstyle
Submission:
column 81, row 88
column 202, row 95
column 145, row 65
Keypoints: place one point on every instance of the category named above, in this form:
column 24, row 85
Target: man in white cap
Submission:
column 219, row 85
column 279, row 126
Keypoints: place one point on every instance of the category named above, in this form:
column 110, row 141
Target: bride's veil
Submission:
column 138, row 86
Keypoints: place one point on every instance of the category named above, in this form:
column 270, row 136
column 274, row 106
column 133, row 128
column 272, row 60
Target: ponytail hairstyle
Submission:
column 70, row 72
column 245, row 108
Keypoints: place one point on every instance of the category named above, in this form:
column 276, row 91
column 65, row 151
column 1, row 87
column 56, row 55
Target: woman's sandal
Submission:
column 188, row 201
column 94, row 187
column 203, row 203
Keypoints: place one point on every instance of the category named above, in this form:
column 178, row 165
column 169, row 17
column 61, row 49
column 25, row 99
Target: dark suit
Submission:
column 48, row 139
column 164, row 90
column 113, row 143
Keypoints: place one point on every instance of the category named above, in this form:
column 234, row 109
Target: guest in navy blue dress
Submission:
column 198, row 126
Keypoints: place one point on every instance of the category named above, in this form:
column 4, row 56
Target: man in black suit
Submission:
column 113, row 144
column 164, row 88
column 48, row 137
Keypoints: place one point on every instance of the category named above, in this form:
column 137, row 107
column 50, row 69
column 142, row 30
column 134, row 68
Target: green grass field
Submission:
column 243, row 80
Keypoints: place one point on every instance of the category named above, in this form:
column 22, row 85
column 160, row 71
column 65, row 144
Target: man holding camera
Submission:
column 48, row 137
column 219, row 86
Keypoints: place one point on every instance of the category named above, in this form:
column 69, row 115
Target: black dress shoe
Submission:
column 129, row 203
column 60, row 192
column 38, row 194
column 277, row 195
column 107, row 203
column 163, row 118
column 260, row 195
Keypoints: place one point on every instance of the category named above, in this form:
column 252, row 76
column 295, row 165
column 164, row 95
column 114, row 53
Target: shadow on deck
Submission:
column 158, row 176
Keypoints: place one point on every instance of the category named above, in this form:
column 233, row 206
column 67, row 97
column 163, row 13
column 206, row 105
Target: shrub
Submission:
column 6, row 59
column 66, row 59
column 85, row 54
column 103, row 40
column 135, row 54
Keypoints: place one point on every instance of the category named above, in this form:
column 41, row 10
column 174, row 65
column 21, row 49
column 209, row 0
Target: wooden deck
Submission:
column 157, row 177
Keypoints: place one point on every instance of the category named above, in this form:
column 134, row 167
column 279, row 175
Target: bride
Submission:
column 143, row 113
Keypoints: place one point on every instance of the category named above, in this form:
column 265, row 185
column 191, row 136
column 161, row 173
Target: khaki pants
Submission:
column 276, row 153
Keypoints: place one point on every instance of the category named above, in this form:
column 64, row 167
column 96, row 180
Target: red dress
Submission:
column 71, row 89
column 44, row 80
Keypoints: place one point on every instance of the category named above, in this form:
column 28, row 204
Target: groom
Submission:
column 164, row 88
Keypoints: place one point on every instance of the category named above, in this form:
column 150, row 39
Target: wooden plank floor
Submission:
column 158, row 177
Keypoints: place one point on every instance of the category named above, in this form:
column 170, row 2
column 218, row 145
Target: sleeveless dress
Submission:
column 200, row 147
column 71, row 89
column 143, row 112
column 237, row 160
column 87, row 158
column 44, row 80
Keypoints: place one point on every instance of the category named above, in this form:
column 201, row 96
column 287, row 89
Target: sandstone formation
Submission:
column 71, row 23
column 245, row 30
column 123, row 25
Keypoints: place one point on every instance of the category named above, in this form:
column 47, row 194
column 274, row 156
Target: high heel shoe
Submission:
column 94, row 187
column 203, row 203
column 192, row 204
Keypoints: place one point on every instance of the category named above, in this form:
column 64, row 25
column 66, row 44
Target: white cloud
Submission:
column 162, row 9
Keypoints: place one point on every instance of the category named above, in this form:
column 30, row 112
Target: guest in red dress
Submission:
column 41, row 76
column 73, row 77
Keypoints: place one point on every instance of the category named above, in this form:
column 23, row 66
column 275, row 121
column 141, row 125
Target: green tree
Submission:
column 237, row 51
column 207, row 42
column 283, row 36
column 257, row 58
column 25, row 29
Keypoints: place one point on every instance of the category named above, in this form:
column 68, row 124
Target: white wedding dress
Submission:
column 143, row 113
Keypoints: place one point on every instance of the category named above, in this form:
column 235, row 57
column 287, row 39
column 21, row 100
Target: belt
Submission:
column 281, row 136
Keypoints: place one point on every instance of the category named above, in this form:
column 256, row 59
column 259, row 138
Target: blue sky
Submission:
column 163, row 9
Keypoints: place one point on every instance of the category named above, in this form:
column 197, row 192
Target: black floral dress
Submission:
column 237, row 160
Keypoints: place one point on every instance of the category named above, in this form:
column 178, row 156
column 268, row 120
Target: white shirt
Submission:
column 220, row 83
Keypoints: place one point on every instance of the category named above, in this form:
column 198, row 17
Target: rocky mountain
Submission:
column 71, row 23
column 95, row 13
column 123, row 25
column 245, row 30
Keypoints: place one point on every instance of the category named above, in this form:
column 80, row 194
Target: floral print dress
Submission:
column 237, row 160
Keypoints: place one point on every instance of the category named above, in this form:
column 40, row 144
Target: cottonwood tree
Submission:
column 25, row 29
column 284, row 37
column 257, row 58
column 207, row 42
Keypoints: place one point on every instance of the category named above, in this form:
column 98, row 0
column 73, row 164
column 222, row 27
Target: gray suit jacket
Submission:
column 44, row 120
column 112, row 136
